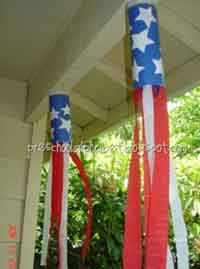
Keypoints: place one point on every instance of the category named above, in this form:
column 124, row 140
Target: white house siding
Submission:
column 15, row 135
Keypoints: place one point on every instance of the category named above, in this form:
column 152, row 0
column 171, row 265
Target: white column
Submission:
column 32, row 195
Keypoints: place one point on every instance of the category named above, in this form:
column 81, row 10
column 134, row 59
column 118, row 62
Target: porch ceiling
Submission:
column 29, row 30
column 82, row 46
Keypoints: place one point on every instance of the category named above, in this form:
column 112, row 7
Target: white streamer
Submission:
column 148, row 109
column 178, row 222
column 170, row 262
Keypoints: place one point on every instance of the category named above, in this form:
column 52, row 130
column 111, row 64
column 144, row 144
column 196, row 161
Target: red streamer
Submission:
column 157, row 234
column 86, row 184
column 133, row 235
column 57, row 190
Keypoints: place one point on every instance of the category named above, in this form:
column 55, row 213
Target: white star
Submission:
column 54, row 114
column 159, row 66
column 66, row 124
column 146, row 16
column 141, row 40
column 137, row 70
column 66, row 110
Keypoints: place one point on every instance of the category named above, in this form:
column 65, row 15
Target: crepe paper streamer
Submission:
column 148, row 123
column 175, row 203
column 178, row 223
column 56, row 204
column 133, row 232
column 170, row 262
column 151, row 101
column 86, row 184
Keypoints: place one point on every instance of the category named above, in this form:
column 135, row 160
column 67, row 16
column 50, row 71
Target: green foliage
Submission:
column 108, row 172
column 185, row 141
column 185, row 124
column 188, row 174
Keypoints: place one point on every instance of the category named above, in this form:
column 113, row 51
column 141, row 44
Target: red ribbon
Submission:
column 56, row 201
column 133, row 234
column 157, row 233
column 86, row 184
column 156, row 197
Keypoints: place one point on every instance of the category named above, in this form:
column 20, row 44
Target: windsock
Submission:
column 56, row 204
column 148, row 245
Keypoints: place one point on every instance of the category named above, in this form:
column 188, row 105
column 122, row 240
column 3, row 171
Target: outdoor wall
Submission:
column 15, row 135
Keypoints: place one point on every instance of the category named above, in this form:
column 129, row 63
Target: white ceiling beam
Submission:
column 94, row 30
column 89, row 106
column 76, row 99
column 116, row 115
column 77, row 130
column 184, row 78
column 179, row 27
column 113, row 72
column 179, row 81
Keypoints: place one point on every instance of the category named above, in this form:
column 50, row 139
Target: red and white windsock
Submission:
column 56, row 205
column 160, row 187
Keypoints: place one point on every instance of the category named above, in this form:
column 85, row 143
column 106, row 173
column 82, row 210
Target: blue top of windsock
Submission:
column 60, row 118
column 146, row 51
